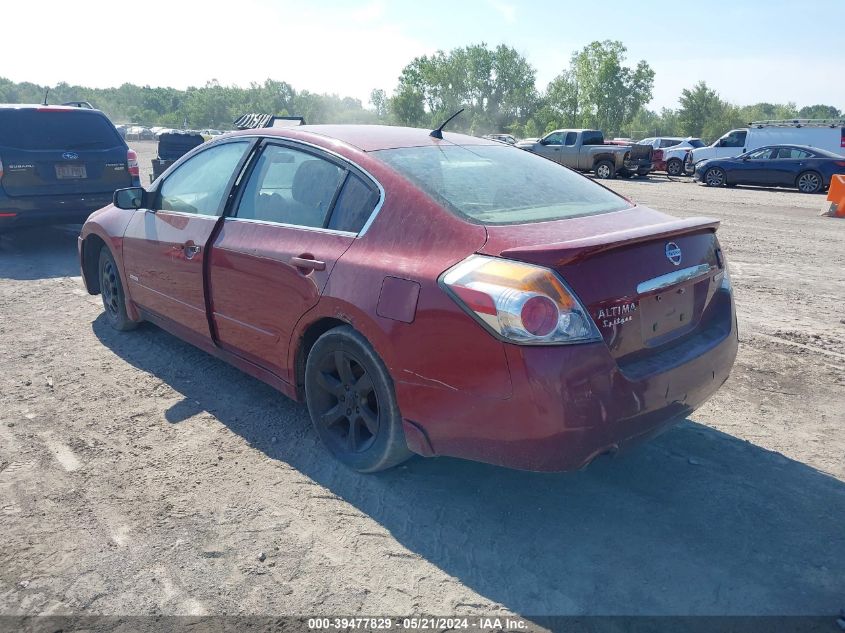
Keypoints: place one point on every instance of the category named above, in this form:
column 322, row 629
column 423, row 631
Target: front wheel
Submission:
column 809, row 182
column 675, row 167
column 352, row 404
column 715, row 177
column 111, row 290
column 605, row 169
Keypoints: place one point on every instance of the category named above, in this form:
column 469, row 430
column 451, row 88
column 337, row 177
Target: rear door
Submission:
column 299, row 211
column 60, row 150
column 786, row 164
column 164, row 248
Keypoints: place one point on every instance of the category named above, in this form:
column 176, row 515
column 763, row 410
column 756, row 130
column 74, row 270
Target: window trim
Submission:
column 320, row 152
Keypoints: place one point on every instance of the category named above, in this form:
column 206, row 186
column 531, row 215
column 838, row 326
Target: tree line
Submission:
column 495, row 85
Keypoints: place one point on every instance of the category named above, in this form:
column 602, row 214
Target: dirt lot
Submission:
column 139, row 475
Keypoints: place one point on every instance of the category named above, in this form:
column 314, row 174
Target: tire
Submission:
column 675, row 167
column 352, row 403
column 111, row 290
column 715, row 177
column 809, row 182
column 604, row 169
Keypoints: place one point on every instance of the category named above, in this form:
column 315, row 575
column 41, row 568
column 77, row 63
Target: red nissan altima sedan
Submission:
column 438, row 296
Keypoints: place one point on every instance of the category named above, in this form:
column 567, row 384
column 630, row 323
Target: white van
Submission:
column 826, row 134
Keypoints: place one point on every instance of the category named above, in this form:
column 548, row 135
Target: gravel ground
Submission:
column 139, row 475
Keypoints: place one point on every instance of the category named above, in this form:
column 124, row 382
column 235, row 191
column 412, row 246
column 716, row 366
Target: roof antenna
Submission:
column 438, row 133
column 46, row 92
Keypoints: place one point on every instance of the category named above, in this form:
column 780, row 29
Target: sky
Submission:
column 748, row 50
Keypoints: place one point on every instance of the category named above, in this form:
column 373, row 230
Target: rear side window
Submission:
column 59, row 130
column 288, row 186
column 571, row 138
column 592, row 138
column 668, row 142
column 354, row 205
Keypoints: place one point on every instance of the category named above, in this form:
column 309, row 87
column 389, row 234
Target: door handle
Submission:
column 307, row 263
column 191, row 250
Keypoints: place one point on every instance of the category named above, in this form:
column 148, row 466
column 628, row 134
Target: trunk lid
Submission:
column 54, row 151
column 622, row 267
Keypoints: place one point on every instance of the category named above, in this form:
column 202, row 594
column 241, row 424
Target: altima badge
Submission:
column 673, row 253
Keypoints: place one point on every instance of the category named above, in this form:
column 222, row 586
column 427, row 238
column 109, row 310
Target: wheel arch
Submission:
column 91, row 247
column 305, row 342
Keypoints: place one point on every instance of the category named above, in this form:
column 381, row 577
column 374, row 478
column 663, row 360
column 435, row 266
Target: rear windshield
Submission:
column 34, row 130
column 695, row 142
column 501, row 184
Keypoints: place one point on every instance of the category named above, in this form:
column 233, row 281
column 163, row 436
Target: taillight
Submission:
column 657, row 155
column 1, row 168
column 839, row 163
column 521, row 303
column 132, row 163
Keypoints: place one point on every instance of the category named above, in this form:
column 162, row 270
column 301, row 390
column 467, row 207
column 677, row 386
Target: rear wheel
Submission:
column 605, row 169
column 111, row 290
column 715, row 177
column 352, row 403
column 675, row 167
column 809, row 182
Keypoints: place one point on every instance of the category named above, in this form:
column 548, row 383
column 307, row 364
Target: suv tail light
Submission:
column 657, row 155
column 517, row 302
column 132, row 163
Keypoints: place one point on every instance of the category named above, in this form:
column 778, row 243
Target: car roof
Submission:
column 371, row 138
column 41, row 106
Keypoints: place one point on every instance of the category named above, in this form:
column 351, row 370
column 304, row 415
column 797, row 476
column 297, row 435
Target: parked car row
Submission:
column 142, row 133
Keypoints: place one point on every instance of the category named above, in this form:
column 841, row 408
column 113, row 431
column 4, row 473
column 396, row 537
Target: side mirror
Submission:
column 543, row 141
column 131, row 198
column 745, row 158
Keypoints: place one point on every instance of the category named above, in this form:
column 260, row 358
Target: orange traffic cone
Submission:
column 836, row 197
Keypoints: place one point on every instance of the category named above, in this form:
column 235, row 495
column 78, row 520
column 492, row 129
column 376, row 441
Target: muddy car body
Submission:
column 421, row 296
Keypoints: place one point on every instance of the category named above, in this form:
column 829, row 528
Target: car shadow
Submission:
column 695, row 522
column 39, row 252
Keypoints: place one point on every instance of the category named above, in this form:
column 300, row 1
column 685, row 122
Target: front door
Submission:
column 164, row 247
column 549, row 146
column 299, row 211
column 756, row 167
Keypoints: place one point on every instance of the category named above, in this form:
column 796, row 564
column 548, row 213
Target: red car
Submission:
column 451, row 296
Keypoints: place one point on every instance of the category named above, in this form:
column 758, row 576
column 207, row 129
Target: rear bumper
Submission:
column 20, row 211
column 641, row 166
column 573, row 403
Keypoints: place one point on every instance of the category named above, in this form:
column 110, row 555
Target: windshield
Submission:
column 63, row 130
column 500, row 184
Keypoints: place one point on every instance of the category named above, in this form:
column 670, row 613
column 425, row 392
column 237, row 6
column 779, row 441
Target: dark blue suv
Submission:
column 58, row 164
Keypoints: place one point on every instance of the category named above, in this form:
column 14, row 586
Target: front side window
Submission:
column 201, row 183
column 760, row 154
column 555, row 138
column 289, row 186
column 735, row 138
column 500, row 184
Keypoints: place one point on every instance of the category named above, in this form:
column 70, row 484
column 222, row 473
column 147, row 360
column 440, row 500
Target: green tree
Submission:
column 700, row 106
column 819, row 112
column 495, row 86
